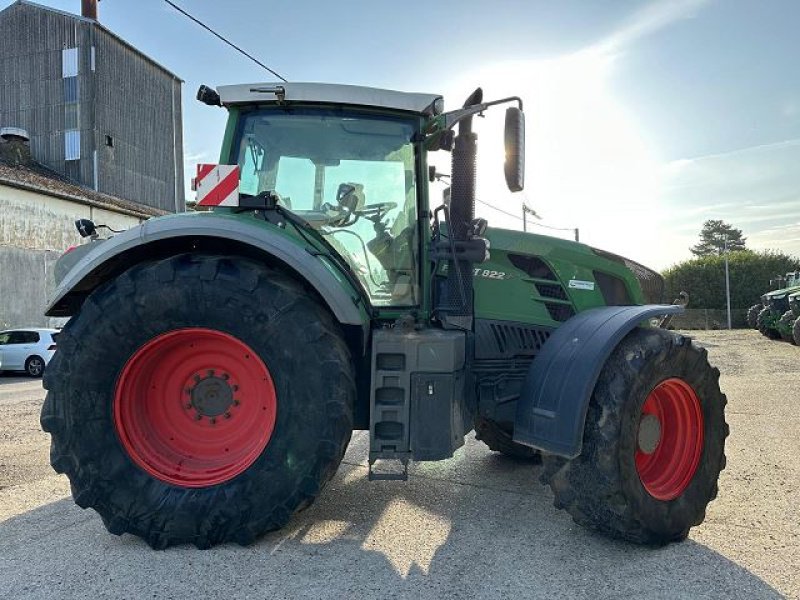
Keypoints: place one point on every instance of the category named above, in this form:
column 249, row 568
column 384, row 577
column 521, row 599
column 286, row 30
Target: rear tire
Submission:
column 34, row 366
column 752, row 315
column 94, row 406
column 628, row 482
column 769, row 332
column 498, row 438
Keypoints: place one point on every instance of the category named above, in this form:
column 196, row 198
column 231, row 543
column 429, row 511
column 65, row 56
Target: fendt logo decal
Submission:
column 577, row 284
column 217, row 185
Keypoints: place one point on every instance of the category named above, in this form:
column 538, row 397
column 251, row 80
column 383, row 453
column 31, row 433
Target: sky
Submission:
column 643, row 118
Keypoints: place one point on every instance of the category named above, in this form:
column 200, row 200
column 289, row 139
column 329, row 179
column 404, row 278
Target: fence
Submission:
column 709, row 318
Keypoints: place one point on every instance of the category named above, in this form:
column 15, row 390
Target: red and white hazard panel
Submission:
column 217, row 185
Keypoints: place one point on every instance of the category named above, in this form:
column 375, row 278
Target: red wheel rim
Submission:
column 194, row 407
column 669, row 439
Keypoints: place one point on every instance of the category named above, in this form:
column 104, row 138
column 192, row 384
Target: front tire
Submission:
column 752, row 315
column 653, row 444
column 199, row 399
column 762, row 326
column 499, row 439
column 796, row 331
column 785, row 326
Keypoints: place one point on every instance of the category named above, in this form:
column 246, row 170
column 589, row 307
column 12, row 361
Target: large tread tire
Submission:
column 752, row 315
column 601, row 488
column 796, row 331
column 498, row 438
column 275, row 316
column 785, row 326
column 766, row 331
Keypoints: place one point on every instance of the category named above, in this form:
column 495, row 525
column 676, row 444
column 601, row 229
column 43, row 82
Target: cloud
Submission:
column 195, row 157
column 648, row 20
column 756, row 189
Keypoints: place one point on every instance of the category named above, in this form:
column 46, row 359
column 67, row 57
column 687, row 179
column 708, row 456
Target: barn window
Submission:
column 69, row 62
column 72, row 145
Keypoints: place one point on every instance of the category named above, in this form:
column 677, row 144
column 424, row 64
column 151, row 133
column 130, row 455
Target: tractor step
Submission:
column 383, row 473
column 416, row 401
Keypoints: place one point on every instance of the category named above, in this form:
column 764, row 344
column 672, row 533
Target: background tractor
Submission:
column 216, row 363
column 776, row 320
column 753, row 311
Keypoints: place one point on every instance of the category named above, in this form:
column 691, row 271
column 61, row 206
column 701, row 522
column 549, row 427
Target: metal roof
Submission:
column 327, row 93
column 100, row 26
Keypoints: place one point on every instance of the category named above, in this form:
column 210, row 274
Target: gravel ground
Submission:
column 478, row 525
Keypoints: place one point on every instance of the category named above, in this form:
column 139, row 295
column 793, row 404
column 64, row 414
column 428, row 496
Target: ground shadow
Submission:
column 477, row 526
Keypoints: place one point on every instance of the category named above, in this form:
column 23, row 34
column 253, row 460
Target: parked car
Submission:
column 27, row 350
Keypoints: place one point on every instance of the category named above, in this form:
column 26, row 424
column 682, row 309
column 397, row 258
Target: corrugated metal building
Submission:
column 97, row 109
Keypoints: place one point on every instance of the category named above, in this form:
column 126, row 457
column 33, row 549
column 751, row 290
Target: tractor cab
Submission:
column 351, row 176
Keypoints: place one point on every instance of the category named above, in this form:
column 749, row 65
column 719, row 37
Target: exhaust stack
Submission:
column 459, row 284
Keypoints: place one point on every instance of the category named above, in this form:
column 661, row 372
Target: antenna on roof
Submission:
column 231, row 44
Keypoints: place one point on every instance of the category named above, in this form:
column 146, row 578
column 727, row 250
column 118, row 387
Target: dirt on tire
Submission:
column 271, row 313
column 601, row 488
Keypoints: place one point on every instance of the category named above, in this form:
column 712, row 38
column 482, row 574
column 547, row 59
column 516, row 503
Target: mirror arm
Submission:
column 450, row 119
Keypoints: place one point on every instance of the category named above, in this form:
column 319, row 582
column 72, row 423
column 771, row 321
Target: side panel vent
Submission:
column 559, row 312
column 551, row 290
column 507, row 339
column 613, row 289
column 533, row 266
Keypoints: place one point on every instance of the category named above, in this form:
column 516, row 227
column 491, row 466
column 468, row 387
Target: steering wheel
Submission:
column 375, row 212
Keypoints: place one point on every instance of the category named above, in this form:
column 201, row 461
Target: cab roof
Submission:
column 329, row 93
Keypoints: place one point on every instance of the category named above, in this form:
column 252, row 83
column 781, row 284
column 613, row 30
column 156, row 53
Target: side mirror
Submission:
column 86, row 228
column 515, row 149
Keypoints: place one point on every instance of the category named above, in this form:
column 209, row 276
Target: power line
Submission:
column 231, row 44
column 518, row 218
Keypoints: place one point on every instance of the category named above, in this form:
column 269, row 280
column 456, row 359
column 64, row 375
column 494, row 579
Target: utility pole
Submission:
column 727, row 282
column 577, row 235
column 526, row 210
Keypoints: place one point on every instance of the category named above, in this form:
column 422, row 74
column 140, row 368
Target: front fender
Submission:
column 551, row 412
column 158, row 238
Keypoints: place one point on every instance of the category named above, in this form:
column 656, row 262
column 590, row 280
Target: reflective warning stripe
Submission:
column 217, row 185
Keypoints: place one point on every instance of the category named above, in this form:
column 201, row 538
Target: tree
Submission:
column 704, row 277
column 713, row 236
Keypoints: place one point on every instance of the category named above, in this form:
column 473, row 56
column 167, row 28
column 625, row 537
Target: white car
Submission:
column 27, row 350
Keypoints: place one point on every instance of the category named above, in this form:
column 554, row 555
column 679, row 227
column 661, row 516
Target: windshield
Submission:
column 351, row 176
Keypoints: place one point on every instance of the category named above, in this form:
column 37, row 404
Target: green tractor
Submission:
column 753, row 311
column 776, row 320
column 216, row 363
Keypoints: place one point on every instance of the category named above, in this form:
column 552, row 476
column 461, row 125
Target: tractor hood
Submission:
column 780, row 294
column 567, row 252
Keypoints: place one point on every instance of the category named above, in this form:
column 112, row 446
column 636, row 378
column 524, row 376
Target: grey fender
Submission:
column 551, row 412
column 98, row 262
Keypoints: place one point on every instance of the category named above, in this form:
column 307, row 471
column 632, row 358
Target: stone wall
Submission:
column 35, row 229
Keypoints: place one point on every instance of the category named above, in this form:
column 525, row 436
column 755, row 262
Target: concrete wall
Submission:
column 120, row 93
column 35, row 230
